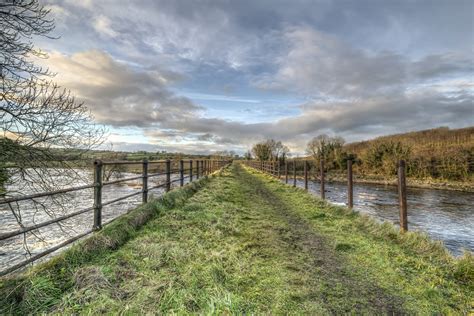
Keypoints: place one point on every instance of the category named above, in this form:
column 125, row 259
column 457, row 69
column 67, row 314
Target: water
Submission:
column 19, row 248
column 445, row 215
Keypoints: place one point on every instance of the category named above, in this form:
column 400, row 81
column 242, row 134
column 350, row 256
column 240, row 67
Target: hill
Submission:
column 440, row 153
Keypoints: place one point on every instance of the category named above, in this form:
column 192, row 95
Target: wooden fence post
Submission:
column 168, row 175
column 350, row 188
column 97, row 195
column 402, row 195
column 145, row 181
column 181, row 172
column 279, row 169
column 294, row 173
column 323, row 191
column 190, row 171
column 286, row 171
column 197, row 169
column 305, row 175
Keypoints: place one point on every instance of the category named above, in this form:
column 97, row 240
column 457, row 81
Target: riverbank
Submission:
column 411, row 182
column 243, row 242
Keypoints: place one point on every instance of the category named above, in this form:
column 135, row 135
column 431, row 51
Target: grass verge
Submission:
column 42, row 286
column 245, row 243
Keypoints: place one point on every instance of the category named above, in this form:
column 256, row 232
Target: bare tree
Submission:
column 43, row 129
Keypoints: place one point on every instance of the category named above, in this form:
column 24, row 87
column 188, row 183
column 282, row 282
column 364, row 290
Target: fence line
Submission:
column 273, row 168
column 203, row 167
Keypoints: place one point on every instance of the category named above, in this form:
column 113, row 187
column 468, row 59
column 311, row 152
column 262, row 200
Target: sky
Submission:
column 203, row 76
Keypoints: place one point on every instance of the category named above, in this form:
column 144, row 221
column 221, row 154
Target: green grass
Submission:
column 244, row 243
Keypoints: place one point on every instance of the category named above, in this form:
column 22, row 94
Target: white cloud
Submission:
column 118, row 95
column 103, row 25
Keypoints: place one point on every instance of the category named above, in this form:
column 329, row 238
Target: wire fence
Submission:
column 172, row 173
column 291, row 170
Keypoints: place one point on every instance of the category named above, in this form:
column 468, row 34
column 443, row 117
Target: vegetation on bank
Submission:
column 434, row 157
column 246, row 243
column 435, row 154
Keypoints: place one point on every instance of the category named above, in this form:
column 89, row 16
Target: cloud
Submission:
column 118, row 95
column 379, row 115
column 320, row 65
column 103, row 25
column 358, row 69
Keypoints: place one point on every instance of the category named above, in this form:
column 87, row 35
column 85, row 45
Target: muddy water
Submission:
column 445, row 215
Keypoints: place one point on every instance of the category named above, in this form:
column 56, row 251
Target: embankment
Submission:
column 242, row 242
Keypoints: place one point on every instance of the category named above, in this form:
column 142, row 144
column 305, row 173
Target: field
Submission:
column 242, row 242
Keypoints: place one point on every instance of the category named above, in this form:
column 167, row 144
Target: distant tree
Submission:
column 225, row 154
column 322, row 146
column 270, row 150
column 248, row 155
column 279, row 151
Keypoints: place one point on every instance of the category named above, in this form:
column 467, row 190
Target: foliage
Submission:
column 382, row 158
column 438, row 153
column 323, row 146
column 270, row 150
column 330, row 149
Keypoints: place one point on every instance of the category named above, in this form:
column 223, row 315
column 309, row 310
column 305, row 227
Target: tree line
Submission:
column 439, row 153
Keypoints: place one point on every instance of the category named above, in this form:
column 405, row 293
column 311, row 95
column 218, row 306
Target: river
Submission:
column 19, row 248
column 445, row 215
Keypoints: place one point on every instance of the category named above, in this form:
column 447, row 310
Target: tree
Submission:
column 330, row 149
column 382, row 158
column 38, row 119
column 270, row 150
column 322, row 146
column 35, row 113
column 261, row 151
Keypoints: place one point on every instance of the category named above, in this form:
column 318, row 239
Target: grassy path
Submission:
column 246, row 243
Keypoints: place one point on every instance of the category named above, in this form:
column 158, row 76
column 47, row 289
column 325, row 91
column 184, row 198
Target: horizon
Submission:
column 197, row 77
